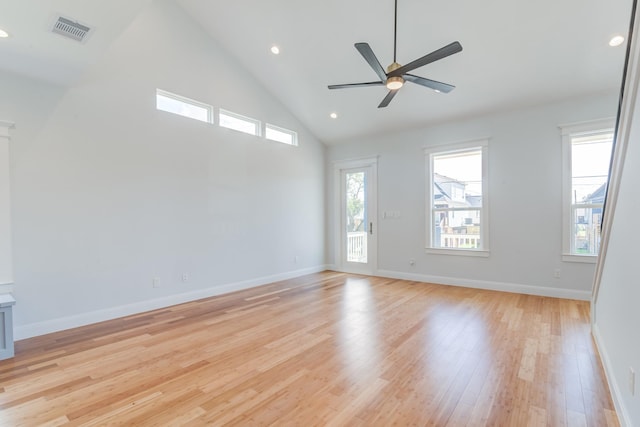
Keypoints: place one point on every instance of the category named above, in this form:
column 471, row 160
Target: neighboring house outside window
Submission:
column 457, row 199
column 586, row 149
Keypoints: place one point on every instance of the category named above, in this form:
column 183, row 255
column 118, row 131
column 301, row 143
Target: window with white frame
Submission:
column 176, row 104
column 586, row 152
column 278, row 134
column 238, row 122
column 457, row 198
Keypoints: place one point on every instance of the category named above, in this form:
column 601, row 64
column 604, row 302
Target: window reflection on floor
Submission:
column 454, row 338
column 359, row 337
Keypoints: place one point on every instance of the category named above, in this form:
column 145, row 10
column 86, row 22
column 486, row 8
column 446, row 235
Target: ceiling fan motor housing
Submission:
column 393, row 67
column 395, row 82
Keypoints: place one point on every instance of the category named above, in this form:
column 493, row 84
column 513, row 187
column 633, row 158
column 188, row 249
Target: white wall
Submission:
column 108, row 192
column 29, row 103
column 525, row 183
column 616, row 317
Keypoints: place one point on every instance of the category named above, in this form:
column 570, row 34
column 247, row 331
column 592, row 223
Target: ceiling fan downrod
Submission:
column 395, row 30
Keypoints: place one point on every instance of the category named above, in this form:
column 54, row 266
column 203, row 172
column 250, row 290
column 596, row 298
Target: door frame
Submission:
column 371, row 164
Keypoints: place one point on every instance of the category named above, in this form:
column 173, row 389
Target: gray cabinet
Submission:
column 6, row 326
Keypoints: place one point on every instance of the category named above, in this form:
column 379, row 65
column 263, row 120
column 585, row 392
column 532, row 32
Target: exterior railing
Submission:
column 460, row 241
column 357, row 246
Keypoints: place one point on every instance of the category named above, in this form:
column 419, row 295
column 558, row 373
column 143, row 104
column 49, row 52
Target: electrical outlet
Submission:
column 412, row 261
column 632, row 381
column 296, row 259
column 156, row 282
column 556, row 273
column 185, row 277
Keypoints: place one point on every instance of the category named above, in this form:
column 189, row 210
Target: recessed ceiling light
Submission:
column 616, row 41
column 275, row 49
column 333, row 115
column 3, row 34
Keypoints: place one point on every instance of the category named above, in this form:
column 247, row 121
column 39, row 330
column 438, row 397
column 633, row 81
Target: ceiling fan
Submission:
column 396, row 74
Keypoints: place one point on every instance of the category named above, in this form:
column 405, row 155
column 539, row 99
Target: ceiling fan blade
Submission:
column 355, row 85
column 370, row 57
column 443, row 52
column 387, row 99
column 431, row 84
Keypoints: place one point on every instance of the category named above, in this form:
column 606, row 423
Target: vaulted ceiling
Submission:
column 516, row 53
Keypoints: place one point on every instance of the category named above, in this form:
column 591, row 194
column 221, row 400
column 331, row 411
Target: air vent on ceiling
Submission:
column 71, row 29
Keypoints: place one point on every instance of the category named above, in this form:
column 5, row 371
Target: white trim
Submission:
column 457, row 252
column 429, row 152
column 544, row 291
column 614, row 387
column 68, row 322
column 586, row 259
column 6, row 256
column 455, row 145
column 339, row 166
column 568, row 132
column 354, row 163
column 587, row 127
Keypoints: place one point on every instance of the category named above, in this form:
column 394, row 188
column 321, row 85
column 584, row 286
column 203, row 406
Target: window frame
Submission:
column 482, row 145
column 568, row 133
column 188, row 101
column 257, row 123
column 294, row 134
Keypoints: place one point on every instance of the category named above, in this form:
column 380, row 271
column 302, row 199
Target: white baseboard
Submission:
column 68, row 322
column 489, row 285
column 618, row 402
column 54, row 325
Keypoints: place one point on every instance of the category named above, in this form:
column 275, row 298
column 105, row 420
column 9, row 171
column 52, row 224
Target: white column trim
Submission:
column 6, row 262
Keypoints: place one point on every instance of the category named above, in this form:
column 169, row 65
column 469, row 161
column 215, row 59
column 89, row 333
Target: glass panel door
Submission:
column 357, row 212
column 356, row 220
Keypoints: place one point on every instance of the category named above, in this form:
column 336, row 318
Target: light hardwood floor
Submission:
column 323, row 349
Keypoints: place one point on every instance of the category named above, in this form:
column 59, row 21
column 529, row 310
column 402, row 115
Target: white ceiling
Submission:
column 34, row 51
column 516, row 53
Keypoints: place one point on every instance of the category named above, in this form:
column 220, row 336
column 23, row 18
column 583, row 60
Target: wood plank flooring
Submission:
column 327, row 349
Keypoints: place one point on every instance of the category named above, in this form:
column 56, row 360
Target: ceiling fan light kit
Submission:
column 396, row 74
column 394, row 83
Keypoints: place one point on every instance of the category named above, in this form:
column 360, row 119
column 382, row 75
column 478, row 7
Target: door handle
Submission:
column 371, row 228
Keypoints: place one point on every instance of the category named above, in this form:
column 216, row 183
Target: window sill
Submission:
column 458, row 252
column 585, row 259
